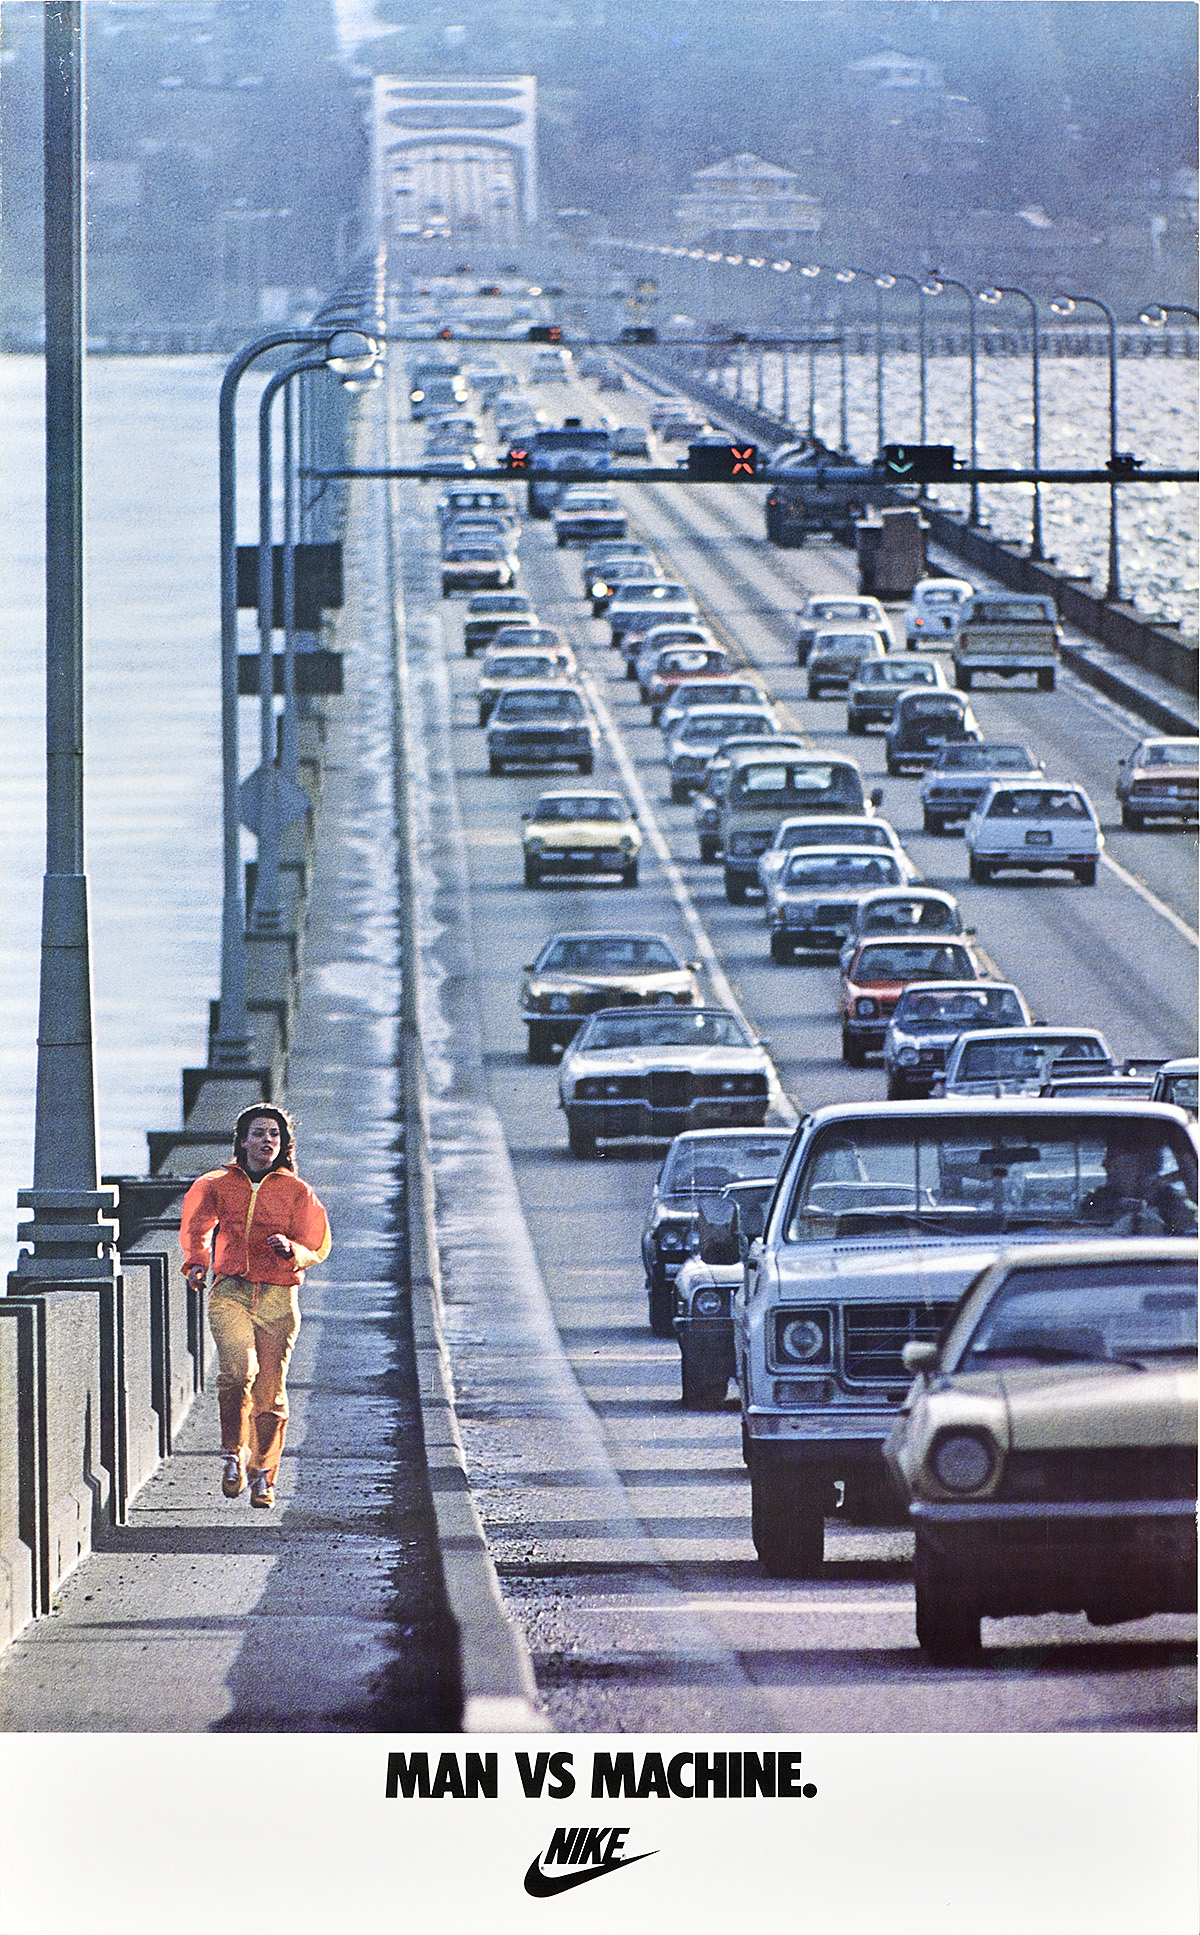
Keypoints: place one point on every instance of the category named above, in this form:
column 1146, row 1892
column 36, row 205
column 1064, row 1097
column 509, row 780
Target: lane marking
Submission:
column 1143, row 892
column 718, row 979
column 773, row 1607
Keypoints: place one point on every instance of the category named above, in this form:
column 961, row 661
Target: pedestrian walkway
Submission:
column 328, row 1613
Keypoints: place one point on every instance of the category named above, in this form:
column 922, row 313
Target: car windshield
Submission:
column 815, row 781
column 630, row 570
column 661, row 1028
column 572, row 503
column 911, row 961
column 1006, row 1061
column 1180, row 1089
column 474, row 553
column 539, row 705
column 718, row 726
column 832, row 833
column 986, row 759
column 695, row 1168
column 609, row 954
column 955, row 1010
column 497, row 602
column 943, row 595
column 972, row 1177
column 850, row 870
column 891, row 672
column 683, row 658
column 583, row 806
column 901, row 916
column 1011, row 611
column 709, row 694
column 1104, row 1312
column 519, row 668
column 826, row 611
column 1038, row 803
column 938, row 705
column 1173, row 754
column 654, row 594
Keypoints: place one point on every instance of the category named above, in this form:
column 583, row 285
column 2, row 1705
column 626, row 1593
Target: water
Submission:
column 152, row 742
column 1156, row 419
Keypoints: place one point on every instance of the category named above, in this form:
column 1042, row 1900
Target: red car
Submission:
column 877, row 976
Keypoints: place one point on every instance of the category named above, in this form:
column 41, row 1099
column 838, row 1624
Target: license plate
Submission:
column 1039, row 839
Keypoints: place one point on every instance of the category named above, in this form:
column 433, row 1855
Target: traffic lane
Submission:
column 1080, row 734
column 604, row 1656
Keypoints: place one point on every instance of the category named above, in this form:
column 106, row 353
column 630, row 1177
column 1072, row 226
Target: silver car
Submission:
column 700, row 731
column 814, row 902
column 927, row 1021
column 1018, row 1061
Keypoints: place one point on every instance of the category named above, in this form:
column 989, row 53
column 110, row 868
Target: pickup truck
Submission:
column 1008, row 633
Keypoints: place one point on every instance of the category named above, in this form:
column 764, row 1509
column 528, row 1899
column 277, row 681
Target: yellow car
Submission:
column 542, row 656
column 581, row 832
column 1047, row 1450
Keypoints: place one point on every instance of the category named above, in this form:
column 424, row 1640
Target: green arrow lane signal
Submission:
column 920, row 463
column 896, row 460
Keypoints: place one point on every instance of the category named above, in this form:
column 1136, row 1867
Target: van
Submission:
column 766, row 788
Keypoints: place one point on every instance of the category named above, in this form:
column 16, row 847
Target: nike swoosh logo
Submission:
column 544, row 1885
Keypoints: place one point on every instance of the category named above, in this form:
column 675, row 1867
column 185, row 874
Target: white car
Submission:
column 936, row 611
column 1035, row 827
column 826, row 830
column 1017, row 1061
column 814, row 903
column 656, row 1071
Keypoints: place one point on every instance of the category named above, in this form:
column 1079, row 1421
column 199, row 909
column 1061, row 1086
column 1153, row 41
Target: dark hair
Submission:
column 286, row 1159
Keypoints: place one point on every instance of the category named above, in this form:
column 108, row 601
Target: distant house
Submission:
column 892, row 70
column 744, row 196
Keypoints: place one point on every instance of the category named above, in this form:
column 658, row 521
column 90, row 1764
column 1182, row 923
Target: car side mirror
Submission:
column 919, row 1357
column 527, row 816
column 969, row 930
column 528, row 967
column 634, row 818
column 876, row 796
column 696, row 967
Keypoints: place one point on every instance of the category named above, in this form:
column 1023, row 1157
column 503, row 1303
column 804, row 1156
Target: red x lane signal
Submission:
column 518, row 460
column 714, row 462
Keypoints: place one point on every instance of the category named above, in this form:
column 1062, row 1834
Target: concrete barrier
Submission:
column 18, row 1469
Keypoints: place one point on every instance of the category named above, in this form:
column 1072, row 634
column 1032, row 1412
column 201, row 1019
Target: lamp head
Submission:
column 885, row 282
column 811, row 268
column 349, row 353
column 1063, row 306
column 1156, row 316
column 991, row 295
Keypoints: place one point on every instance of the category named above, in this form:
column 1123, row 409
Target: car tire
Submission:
column 897, row 1089
column 1086, row 875
column 586, row 765
column 581, row 1142
column 782, row 952
column 679, row 792
column 787, row 1521
column 468, row 650
column 541, row 1044
column 709, row 850
column 1046, row 680
column 933, row 822
column 629, row 874
column 445, row 589
column 533, row 873
column 962, row 678
column 855, row 727
column 699, row 1389
column 980, row 872
column 814, row 690
column 894, row 771
column 853, row 1053
column 735, row 891
column 1131, row 821
column 630, row 668
column 484, row 712
column 660, row 1309
column 495, row 766
column 947, row 1620
column 561, row 543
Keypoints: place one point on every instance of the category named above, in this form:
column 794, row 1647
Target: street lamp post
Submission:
column 994, row 295
column 889, row 281
column 933, row 287
column 843, row 276
column 231, row 1045
column 1064, row 306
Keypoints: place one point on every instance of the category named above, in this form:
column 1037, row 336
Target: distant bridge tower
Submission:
column 455, row 154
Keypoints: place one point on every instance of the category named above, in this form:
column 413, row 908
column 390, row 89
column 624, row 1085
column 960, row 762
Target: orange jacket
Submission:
column 243, row 1215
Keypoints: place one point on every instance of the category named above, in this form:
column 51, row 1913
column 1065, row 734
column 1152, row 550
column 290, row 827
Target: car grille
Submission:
column 874, row 1335
column 1145, row 789
column 933, row 1056
column 955, row 795
column 1124, row 1472
column 506, row 737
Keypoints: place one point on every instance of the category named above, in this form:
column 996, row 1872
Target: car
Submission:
column 1034, row 829
column 477, row 527
column 688, row 427
column 488, row 612
column 707, row 808
column 1046, row 1452
column 515, row 417
column 469, row 566
column 884, row 1214
column 462, row 500
column 876, row 971
column 697, row 1167
column 959, row 776
column 816, row 830
column 835, row 657
column 455, row 463
column 550, row 366
column 577, row 973
column 434, row 396
column 580, row 833
column 540, row 723
column 1019, row 1061
column 640, row 665
column 701, row 729
column 826, row 611
column 1158, row 781
column 505, row 665
column 534, row 637
column 668, row 407
column 591, row 362
column 813, row 901
column 611, row 379
column 1009, row 636
column 769, row 784
column 935, row 611
column 582, row 515
column 705, row 1286
column 1176, row 1081
column 635, row 609
column 630, row 440
column 610, row 551
column 615, row 577
column 871, row 699
column 924, row 722
column 648, row 1075
column 676, row 665
column 739, row 690
column 928, row 1019
column 913, row 914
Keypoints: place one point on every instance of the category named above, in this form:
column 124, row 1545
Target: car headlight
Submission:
column 671, row 1238
column 560, row 1004
column 866, row 1006
column 664, row 999
column 627, row 843
column 708, row 1303
column 535, row 843
column 805, row 1339
column 961, row 1461
column 908, row 1057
